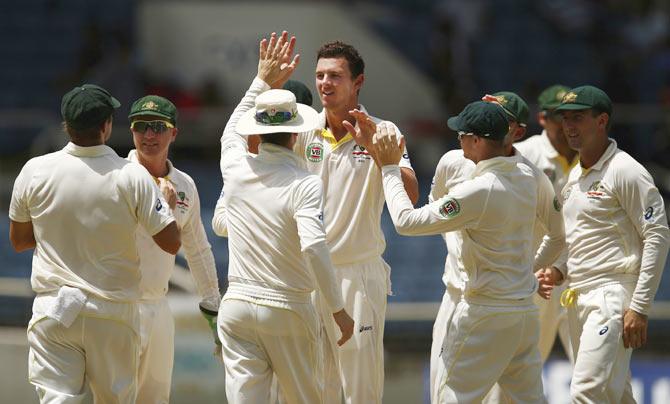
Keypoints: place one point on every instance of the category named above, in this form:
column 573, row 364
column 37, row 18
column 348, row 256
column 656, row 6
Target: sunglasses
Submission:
column 276, row 119
column 158, row 127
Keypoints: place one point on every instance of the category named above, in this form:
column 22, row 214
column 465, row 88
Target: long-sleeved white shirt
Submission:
column 85, row 204
column 616, row 226
column 454, row 169
column 491, row 210
column 156, row 265
column 273, row 208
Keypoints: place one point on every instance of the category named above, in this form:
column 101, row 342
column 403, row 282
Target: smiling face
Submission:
column 151, row 145
column 582, row 127
column 336, row 88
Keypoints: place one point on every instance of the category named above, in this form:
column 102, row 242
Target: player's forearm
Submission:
column 318, row 258
column 411, row 184
column 219, row 220
column 200, row 260
column 550, row 250
column 654, row 254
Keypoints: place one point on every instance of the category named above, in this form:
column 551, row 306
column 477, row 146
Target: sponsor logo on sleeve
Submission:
column 450, row 208
column 159, row 205
column 365, row 328
column 649, row 213
column 320, row 216
column 314, row 152
column 603, row 330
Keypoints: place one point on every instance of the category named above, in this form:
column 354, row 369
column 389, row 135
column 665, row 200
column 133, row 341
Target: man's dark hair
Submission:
column 88, row 133
column 279, row 139
column 339, row 49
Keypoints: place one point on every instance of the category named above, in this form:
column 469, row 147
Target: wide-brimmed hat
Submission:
column 276, row 111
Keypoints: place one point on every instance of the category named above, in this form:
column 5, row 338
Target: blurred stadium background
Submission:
column 425, row 60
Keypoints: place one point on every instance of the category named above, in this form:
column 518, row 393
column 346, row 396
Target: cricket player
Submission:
column 617, row 241
column 496, row 305
column 550, row 152
column 338, row 151
column 278, row 253
column 153, row 123
column 302, row 96
column 80, row 208
column 452, row 170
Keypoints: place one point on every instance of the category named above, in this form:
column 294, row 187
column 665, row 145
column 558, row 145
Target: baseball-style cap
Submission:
column 550, row 98
column 87, row 105
column 276, row 111
column 513, row 105
column 300, row 90
column 154, row 105
column 586, row 97
column 484, row 119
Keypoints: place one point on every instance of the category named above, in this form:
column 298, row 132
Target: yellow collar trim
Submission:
column 566, row 165
column 334, row 143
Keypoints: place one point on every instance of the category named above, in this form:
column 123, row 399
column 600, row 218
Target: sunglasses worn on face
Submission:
column 158, row 127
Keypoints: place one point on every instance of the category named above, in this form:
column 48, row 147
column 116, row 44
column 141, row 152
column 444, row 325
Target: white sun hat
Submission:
column 276, row 111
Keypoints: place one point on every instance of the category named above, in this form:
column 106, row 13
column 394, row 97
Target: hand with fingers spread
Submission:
column 388, row 150
column 363, row 131
column 634, row 329
column 276, row 62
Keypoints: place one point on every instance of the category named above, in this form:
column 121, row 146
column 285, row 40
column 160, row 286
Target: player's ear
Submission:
column 358, row 82
column 174, row 134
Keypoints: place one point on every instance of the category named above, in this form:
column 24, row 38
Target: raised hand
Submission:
column 363, row 131
column 387, row 149
column 276, row 62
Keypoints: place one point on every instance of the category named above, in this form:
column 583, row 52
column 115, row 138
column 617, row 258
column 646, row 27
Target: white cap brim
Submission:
column 306, row 120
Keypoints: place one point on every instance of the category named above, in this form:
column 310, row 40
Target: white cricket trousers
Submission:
column 100, row 347
column 156, row 352
column 484, row 344
column 259, row 340
column 360, row 361
column 451, row 297
column 602, row 364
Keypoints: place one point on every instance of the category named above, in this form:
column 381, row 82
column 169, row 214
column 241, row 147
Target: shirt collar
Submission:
column 132, row 156
column 280, row 154
column 89, row 151
column 500, row 163
column 609, row 152
column 547, row 146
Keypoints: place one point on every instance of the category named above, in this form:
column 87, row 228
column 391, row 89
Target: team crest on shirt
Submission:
column 314, row 152
column 557, row 204
column 450, row 208
column 595, row 191
column 183, row 201
column 551, row 173
column 566, row 192
column 360, row 154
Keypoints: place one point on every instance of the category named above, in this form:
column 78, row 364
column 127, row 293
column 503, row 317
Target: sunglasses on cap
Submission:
column 277, row 119
column 461, row 134
column 159, row 127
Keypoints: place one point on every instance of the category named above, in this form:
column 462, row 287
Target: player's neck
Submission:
column 589, row 156
column 334, row 118
column 157, row 166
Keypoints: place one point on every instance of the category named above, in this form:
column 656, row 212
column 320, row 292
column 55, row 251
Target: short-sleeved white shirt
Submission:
column 353, row 193
column 85, row 204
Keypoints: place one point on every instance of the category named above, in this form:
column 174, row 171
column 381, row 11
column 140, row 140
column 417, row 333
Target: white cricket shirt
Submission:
column 616, row 226
column 273, row 214
column 353, row 195
column 156, row 265
column 85, row 204
column 491, row 210
column 454, row 169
